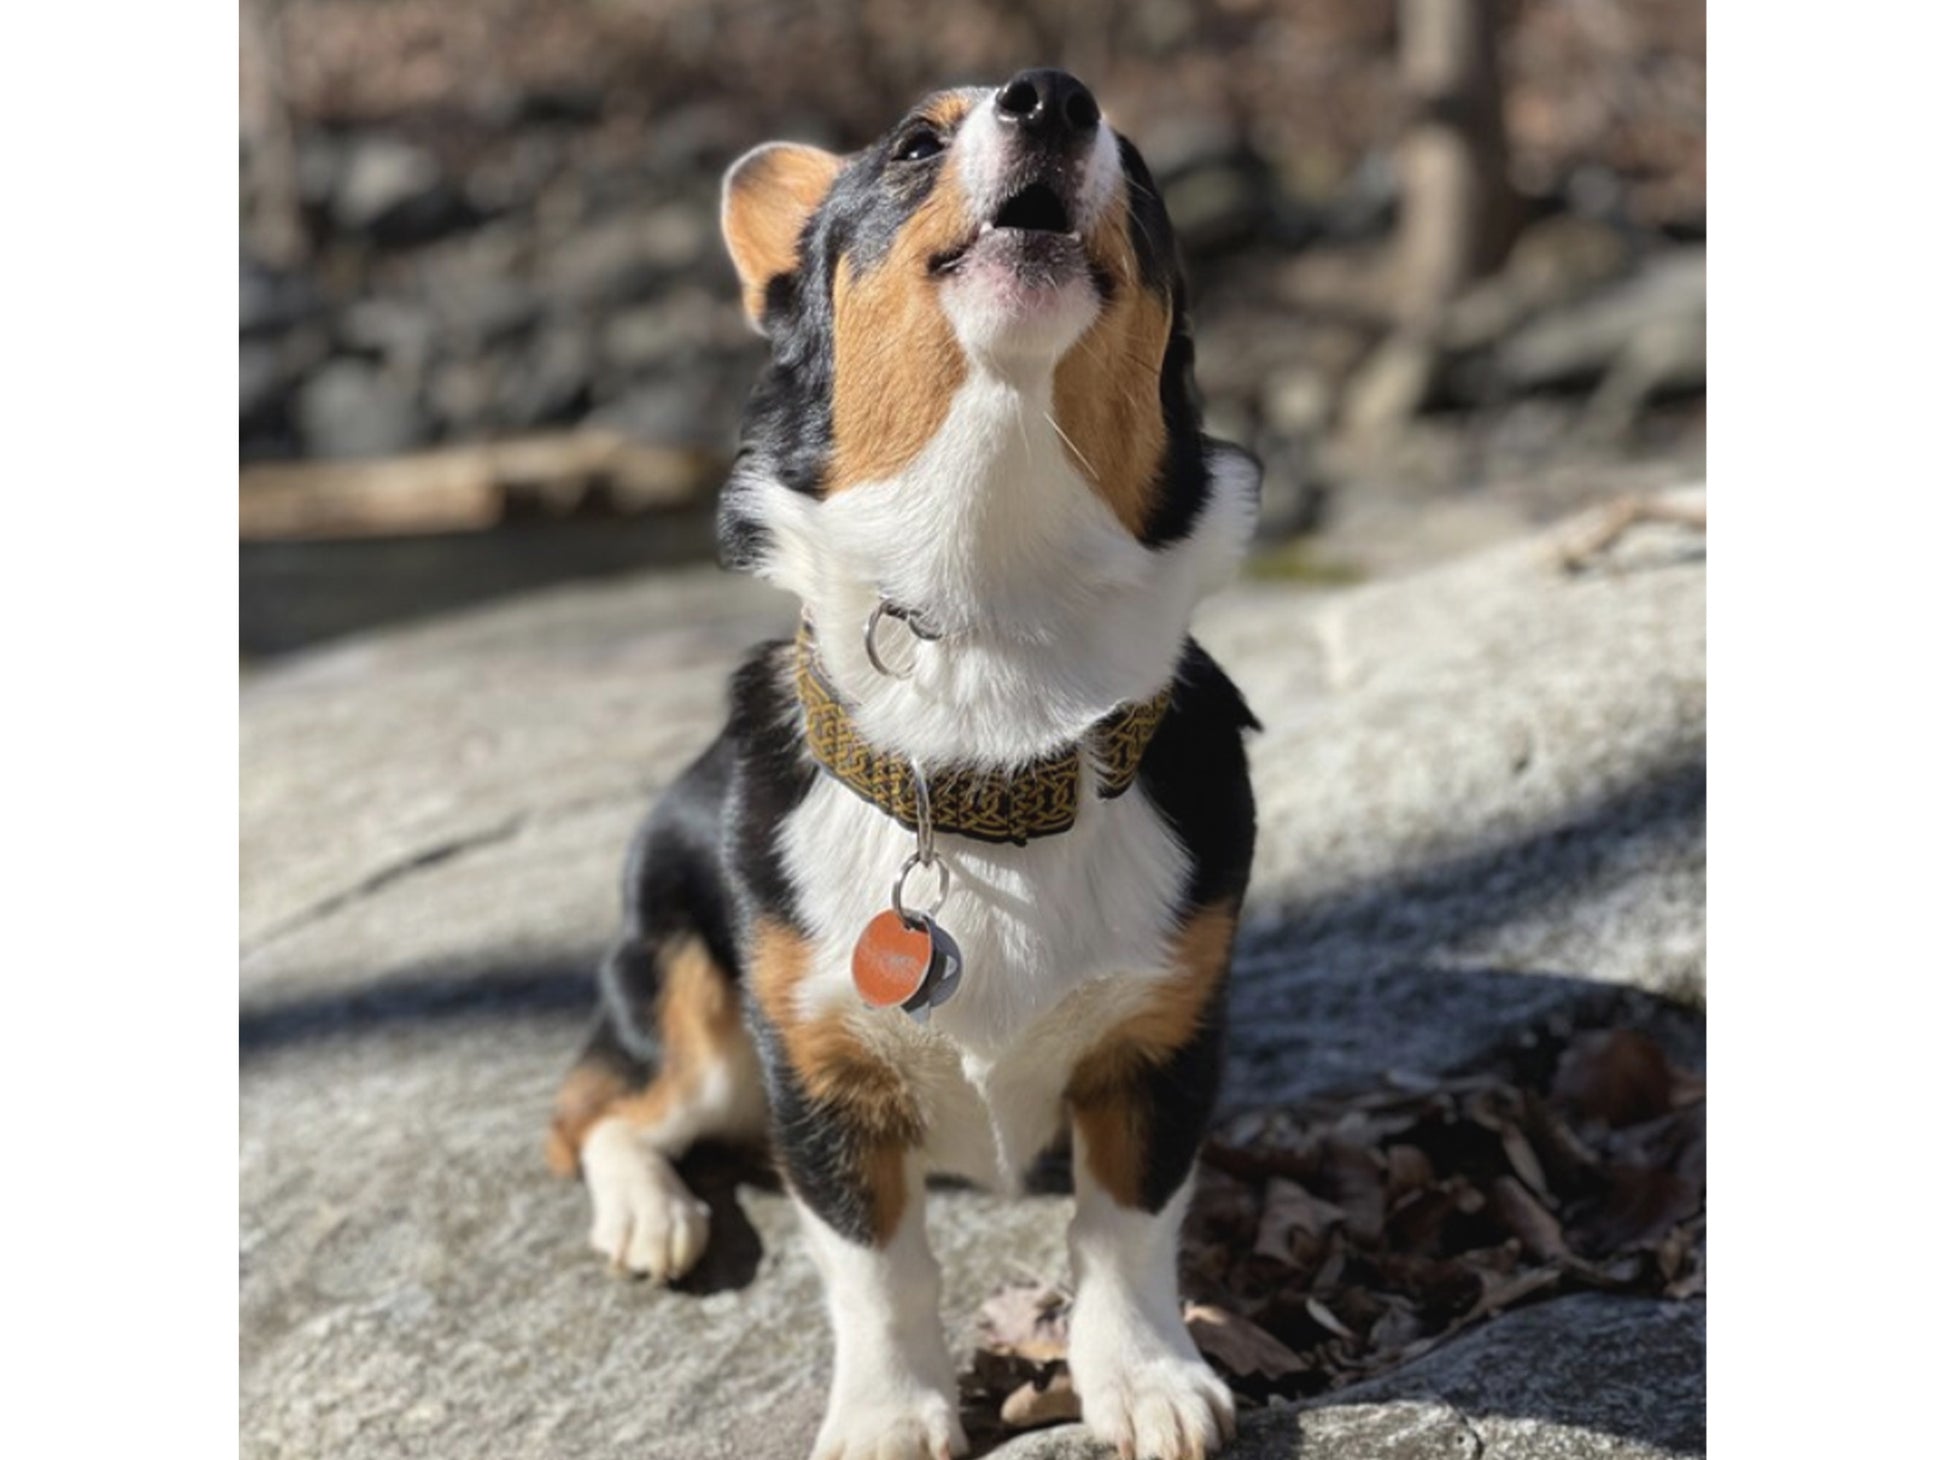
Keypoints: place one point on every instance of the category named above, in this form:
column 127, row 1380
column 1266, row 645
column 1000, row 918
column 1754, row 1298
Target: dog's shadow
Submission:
column 714, row 1173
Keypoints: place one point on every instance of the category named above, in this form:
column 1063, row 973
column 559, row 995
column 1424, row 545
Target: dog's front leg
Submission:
column 847, row 1131
column 1143, row 1387
column 893, row 1394
column 1140, row 1101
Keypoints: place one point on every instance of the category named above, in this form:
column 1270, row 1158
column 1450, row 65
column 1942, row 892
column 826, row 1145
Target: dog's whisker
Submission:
column 1068, row 441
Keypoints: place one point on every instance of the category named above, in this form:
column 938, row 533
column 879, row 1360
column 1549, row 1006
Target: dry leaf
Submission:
column 1026, row 1320
column 1238, row 1345
column 1396, row 1327
column 1619, row 1076
column 1029, row 1406
column 1332, row 1240
column 1520, row 1156
column 1640, row 1207
column 1407, row 1169
column 1418, row 1223
column 1290, row 1209
column 1355, row 1179
column 1538, row 1229
column 1691, row 1285
column 1326, row 1319
column 1501, row 1292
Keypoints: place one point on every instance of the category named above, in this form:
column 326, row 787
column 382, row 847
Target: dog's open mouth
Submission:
column 1033, row 229
column 1036, row 208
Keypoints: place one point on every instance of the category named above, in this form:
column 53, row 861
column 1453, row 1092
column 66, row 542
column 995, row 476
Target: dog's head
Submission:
column 1005, row 235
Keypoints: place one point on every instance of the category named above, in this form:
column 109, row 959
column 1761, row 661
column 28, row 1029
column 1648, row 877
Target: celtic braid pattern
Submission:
column 1043, row 799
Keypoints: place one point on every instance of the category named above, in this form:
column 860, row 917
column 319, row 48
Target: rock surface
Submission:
column 1481, row 790
column 1578, row 1377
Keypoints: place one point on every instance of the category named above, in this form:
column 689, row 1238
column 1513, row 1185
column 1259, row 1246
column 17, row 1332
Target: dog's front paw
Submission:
column 901, row 1423
column 1151, row 1403
column 645, row 1221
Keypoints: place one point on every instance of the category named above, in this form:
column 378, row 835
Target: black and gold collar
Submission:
column 1040, row 799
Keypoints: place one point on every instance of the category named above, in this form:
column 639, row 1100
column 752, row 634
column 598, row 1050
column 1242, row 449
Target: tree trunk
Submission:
column 273, row 213
column 1455, row 206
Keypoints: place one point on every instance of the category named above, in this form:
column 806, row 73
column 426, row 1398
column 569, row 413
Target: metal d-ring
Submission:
column 924, row 853
column 898, row 889
column 922, row 816
column 915, row 626
column 871, row 642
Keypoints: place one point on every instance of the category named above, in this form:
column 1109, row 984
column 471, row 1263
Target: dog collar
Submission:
column 1041, row 799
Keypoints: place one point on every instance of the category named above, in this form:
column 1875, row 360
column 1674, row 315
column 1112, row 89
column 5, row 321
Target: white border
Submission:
column 118, row 271
column 1828, row 724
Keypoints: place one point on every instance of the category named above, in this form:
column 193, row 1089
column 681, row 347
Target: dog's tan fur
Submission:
column 869, row 1096
column 1110, row 1117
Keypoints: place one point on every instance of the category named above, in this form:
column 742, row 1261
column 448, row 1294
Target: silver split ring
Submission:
column 871, row 643
column 898, row 888
column 885, row 609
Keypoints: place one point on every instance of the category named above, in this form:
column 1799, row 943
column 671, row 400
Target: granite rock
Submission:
column 1481, row 790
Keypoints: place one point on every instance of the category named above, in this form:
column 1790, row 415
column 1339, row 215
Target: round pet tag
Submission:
column 942, row 975
column 890, row 961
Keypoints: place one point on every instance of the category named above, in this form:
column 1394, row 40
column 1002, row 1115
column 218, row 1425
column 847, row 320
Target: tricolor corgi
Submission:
column 960, row 878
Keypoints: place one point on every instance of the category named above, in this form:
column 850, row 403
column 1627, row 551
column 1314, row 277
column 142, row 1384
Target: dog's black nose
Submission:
column 1048, row 103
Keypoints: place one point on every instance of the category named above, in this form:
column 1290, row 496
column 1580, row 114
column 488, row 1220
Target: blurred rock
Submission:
column 1219, row 202
column 278, row 363
column 714, row 126
column 461, row 395
column 350, row 408
column 1390, row 386
column 270, row 370
column 558, row 161
column 625, row 258
column 480, row 309
column 1292, row 500
column 681, row 324
column 1298, row 400
column 689, row 409
column 270, row 302
column 558, row 101
column 320, row 159
column 1668, row 356
column 1178, row 141
column 1363, row 209
column 393, row 192
column 1350, row 285
column 402, row 332
column 642, row 337
column 551, row 383
column 514, row 178
column 260, row 380
column 1579, row 344
column 1554, row 262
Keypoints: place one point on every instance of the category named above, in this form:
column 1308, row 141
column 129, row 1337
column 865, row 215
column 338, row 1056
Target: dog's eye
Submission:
column 917, row 145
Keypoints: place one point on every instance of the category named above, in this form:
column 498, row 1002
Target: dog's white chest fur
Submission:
column 1053, row 616
column 1052, row 613
column 1059, row 936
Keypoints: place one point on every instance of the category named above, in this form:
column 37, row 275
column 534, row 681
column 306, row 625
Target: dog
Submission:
column 961, row 876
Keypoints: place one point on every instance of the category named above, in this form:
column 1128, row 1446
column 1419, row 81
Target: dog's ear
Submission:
column 768, row 196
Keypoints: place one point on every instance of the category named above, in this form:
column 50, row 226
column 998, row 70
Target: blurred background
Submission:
column 1445, row 261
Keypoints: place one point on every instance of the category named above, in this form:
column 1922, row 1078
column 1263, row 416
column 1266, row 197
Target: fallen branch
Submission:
column 471, row 488
column 1584, row 540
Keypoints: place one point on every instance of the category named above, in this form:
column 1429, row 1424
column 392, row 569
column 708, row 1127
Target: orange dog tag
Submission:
column 890, row 960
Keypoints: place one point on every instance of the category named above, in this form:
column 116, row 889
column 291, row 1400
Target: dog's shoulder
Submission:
column 1197, row 776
